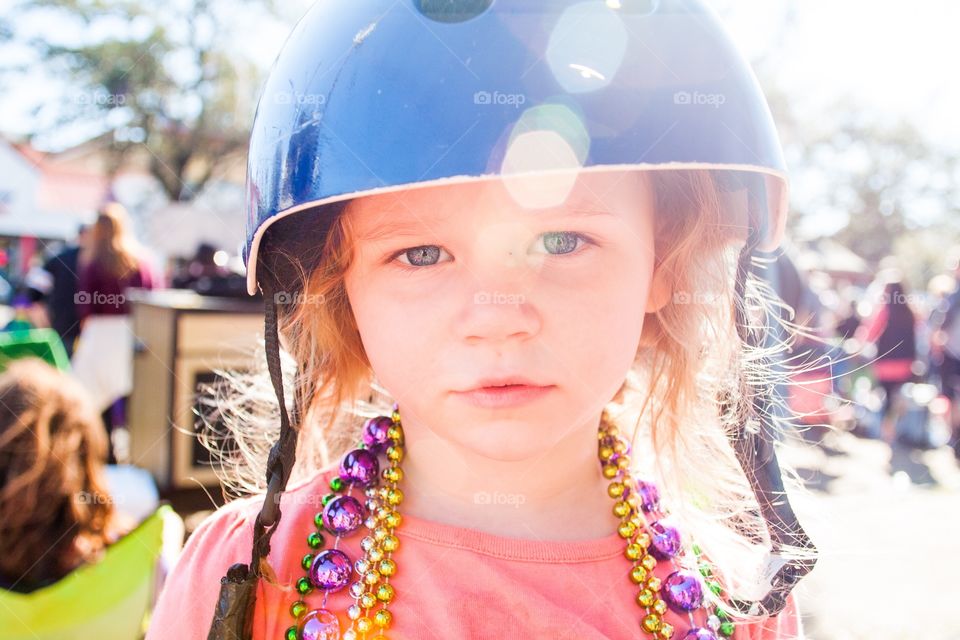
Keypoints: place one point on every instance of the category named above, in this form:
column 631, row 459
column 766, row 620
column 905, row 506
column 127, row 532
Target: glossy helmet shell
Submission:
column 370, row 96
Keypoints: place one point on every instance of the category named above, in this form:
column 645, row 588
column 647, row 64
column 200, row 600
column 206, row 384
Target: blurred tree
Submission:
column 152, row 75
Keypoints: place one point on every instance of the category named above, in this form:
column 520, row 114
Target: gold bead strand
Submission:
column 633, row 528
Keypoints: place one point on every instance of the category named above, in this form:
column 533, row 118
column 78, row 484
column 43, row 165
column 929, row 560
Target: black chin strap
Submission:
column 754, row 448
column 283, row 452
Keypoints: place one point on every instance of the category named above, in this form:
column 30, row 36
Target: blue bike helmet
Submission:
column 372, row 96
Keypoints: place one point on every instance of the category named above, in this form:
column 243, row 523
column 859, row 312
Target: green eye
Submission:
column 561, row 242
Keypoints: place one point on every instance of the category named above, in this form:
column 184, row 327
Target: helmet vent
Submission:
column 451, row 10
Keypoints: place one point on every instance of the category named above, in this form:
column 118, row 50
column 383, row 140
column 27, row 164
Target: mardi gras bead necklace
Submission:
column 646, row 543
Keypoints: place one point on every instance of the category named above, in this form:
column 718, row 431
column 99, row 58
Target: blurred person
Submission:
column 945, row 347
column 62, row 510
column 55, row 511
column 103, row 359
column 892, row 330
column 64, row 269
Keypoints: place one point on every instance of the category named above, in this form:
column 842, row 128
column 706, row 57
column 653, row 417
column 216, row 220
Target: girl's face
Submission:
column 455, row 284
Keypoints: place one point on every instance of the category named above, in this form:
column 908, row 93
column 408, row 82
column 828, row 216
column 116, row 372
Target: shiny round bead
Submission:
column 615, row 489
column 303, row 586
column 665, row 540
column 633, row 551
column 364, row 624
column 605, row 452
column 612, row 431
column 357, row 589
column 626, row 530
column 649, row 496
column 621, row 508
column 362, row 566
column 394, row 496
column 649, row 562
column 394, row 454
column 331, row 570
column 306, row 561
column 393, row 474
column 318, row 519
column 714, row 622
column 380, row 533
column 699, row 633
column 623, row 462
column 374, row 434
column 705, row 569
column 298, row 608
column 291, row 634
column 394, row 432
column 393, row 520
column 383, row 618
column 651, row 623
column 349, row 634
column 644, row 539
column 682, row 591
column 372, row 504
column 383, row 512
column 367, row 543
column 390, row 543
column 610, row 471
column 343, row 515
column 371, row 492
column 315, row 540
column 653, row 584
column 646, row 598
column 715, row 587
column 375, row 555
column 354, row 611
column 726, row 629
column 320, row 624
column 327, row 498
column 336, row 484
column 660, row 607
column 385, row 592
column 666, row 630
column 367, row 600
column 370, row 522
column 371, row 577
column 621, row 447
column 359, row 467
column 638, row 574
column 387, row 567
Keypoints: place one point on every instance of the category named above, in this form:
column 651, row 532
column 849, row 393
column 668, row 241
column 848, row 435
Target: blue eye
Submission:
column 562, row 241
column 555, row 243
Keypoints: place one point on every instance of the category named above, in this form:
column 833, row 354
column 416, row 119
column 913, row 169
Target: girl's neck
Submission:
column 560, row 495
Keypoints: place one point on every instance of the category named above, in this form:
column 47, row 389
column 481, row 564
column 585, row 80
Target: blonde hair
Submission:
column 679, row 402
column 112, row 246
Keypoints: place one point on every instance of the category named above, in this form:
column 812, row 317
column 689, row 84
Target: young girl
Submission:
column 507, row 250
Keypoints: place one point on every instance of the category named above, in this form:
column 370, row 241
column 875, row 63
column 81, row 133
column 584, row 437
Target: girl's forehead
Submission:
column 520, row 195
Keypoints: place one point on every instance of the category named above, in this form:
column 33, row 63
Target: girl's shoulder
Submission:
column 221, row 540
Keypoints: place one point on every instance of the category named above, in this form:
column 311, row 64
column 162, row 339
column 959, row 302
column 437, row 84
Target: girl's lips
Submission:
column 506, row 396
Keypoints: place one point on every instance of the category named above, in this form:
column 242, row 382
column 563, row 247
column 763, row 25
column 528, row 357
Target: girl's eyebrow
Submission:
column 405, row 227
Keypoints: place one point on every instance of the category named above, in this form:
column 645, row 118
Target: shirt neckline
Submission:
column 498, row 546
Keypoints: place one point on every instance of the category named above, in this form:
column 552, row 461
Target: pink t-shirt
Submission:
column 451, row 582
